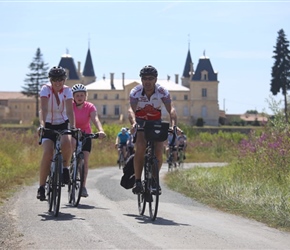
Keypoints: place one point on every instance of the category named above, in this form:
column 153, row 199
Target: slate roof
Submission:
column 187, row 66
column 67, row 62
column 89, row 68
column 118, row 83
column 204, row 64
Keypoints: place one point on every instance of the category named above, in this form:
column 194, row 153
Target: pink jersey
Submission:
column 82, row 116
column 149, row 109
column 56, row 113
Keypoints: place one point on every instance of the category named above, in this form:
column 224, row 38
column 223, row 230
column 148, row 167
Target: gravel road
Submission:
column 108, row 219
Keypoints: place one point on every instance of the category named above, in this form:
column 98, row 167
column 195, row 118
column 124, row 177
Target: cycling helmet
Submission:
column 123, row 130
column 57, row 72
column 148, row 70
column 79, row 88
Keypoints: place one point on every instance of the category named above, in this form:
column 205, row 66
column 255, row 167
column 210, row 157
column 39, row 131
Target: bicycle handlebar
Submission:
column 59, row 132
column 170, row 130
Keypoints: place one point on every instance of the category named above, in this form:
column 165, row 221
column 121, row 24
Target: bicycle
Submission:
column 77, row 168
column 153, row 132
column 171, row 165
column 180, row 157
column 54, row 181
column 121, row 160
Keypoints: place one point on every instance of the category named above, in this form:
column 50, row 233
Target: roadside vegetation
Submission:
column 254, row 184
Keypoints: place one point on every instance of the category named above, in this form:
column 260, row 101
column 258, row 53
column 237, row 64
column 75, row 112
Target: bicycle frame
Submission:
column 55, row 178
column 77, row 169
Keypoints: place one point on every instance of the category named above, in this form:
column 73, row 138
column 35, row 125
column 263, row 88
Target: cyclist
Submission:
column 181, row 143
column 121, row 142
column 56, row 112
column 85, row 112
column 173, row 146
column 130, row 144
column 145, row 101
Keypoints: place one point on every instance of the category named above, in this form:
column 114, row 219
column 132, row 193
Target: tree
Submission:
column 281, row 69
column 36, row 78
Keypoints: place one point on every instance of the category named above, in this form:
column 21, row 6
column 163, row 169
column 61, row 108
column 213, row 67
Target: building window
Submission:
column 104, row 110
column 95, row 96
column 204, row 92
column 204, row 75
column 28, row 107
column 105, row 96
column 117, row 96
column 117, row 110
column 174, row 98
column 185, row 97
column 185, row 111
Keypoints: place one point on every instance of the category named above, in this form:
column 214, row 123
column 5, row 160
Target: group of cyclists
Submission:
column 62, row 107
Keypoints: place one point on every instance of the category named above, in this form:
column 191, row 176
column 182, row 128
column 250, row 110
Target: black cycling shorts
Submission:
column 47, row 134
column 88, row 145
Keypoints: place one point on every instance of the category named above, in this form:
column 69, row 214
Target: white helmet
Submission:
column 123, row 130
column 78, row 88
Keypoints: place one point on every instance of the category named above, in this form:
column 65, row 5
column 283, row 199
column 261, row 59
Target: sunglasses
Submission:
column 57, row 79
column 151, row 78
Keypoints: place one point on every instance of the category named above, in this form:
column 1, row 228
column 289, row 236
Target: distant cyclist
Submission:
column 121, row 142
column 85, row 114
column 171, row 145
column 130, row 144
column 56, row 112
column 146, row 100
column 181, row 143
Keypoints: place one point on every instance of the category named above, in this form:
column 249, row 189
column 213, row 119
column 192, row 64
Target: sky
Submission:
column 123, row 36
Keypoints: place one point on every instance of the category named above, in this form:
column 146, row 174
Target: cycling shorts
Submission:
column 51, row 136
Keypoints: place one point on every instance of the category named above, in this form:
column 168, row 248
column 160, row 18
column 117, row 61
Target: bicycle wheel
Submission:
column 180, row 161
column 49, row 189
column 57, row 183
column 78, row 180
column 141, row 197
column 170, row 164
column 70, row 189
column 153, row 184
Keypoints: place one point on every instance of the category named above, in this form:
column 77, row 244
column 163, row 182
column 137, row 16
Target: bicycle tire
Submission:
column 57, row 183
column 154, row 195
column 180, row 162
column 141, row 197
column 78, row 180
column 49, row 190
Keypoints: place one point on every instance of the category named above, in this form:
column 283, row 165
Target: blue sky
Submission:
column 237, row 36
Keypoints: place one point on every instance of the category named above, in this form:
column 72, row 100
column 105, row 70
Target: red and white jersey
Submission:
column 149, row 109
column 56, row 113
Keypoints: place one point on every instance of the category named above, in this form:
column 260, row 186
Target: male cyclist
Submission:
column 121, row 142
column 146, row 100
column 181, row 143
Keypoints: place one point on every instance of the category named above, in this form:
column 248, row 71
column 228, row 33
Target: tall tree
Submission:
column 281, row 69
column 36, row 78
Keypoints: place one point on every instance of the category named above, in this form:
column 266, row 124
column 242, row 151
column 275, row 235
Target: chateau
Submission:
column 194, row 94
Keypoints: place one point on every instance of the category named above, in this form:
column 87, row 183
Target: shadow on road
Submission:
column 159, row 220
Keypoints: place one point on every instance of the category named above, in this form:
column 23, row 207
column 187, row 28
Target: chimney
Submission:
column 112, row 81
column 79, row 67
column 123, row 80
column 176, row 78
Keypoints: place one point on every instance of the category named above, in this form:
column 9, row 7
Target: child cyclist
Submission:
column 85, row 112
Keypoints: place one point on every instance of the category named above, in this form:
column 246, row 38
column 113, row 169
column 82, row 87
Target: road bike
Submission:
column 121, row 160
column 54, row 181
column 171, row 164
column 77, row 168
column 153, row 132
column 180, row 157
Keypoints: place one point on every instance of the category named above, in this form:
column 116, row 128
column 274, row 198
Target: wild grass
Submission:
column 254, row 184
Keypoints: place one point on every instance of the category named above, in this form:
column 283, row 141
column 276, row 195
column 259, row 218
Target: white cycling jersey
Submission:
column 149, row 109
column 56, row 113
